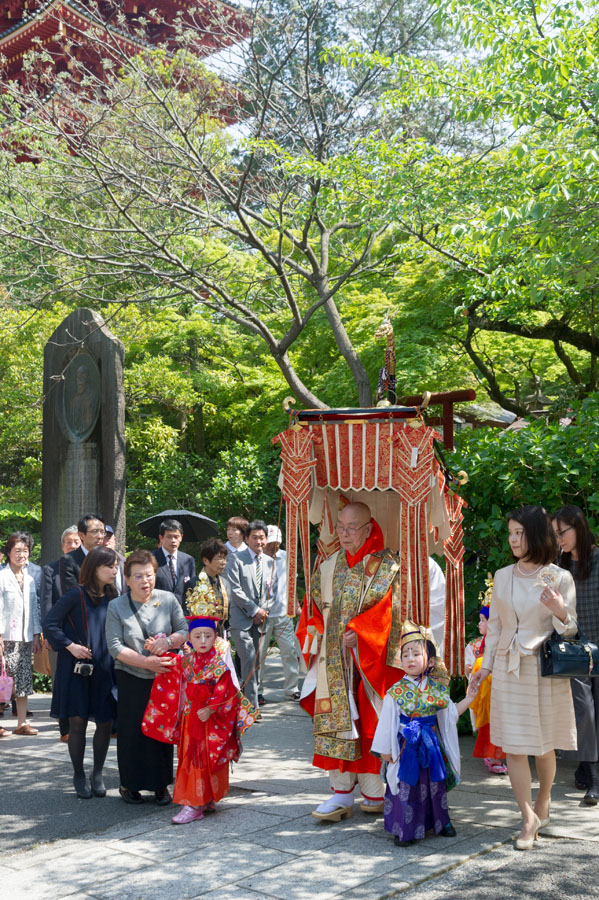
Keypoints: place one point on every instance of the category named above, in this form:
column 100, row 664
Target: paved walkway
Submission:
column 263, row 842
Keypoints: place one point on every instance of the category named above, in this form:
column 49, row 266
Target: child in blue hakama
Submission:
column 417, row 738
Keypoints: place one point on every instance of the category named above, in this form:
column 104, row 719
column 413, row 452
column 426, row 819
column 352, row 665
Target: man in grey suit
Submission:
column 249, row 577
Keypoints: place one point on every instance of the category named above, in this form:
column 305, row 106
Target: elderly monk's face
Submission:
column 353, row 528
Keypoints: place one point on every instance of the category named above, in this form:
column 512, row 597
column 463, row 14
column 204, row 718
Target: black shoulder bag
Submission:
column 569, row 657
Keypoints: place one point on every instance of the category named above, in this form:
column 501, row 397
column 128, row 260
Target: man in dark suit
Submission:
column 175, row 569
column 249, row 576
column 50, row 592
column 92, row 532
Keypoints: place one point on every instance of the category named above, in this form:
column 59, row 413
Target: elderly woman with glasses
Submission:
column 580, row 556
column 141, row 627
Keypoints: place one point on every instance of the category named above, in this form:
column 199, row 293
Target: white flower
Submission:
column 547, row 578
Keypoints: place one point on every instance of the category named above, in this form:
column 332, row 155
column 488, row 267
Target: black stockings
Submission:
column 101, row 742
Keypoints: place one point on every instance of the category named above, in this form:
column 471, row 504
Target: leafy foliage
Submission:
column 245, row 483
column 513, row 217
column 546, row 463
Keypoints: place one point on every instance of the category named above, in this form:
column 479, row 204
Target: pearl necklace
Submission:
column 527, row 574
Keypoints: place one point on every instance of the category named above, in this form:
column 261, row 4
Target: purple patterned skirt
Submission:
column 417, row 809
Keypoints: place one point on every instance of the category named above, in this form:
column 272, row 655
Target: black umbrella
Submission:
column 195, row 526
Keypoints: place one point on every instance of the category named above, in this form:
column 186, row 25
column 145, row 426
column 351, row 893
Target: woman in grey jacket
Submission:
column 141, row 627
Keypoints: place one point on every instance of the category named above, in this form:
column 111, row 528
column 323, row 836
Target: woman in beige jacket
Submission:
column 530, row 715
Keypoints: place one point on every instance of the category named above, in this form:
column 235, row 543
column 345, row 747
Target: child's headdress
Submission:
column 204, row 605
column 200, row 622
column 203, row 602
column 485, row 597
column 410, row 631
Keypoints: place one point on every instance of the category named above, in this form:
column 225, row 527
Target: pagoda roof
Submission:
column 42, row 24
column 49, row 22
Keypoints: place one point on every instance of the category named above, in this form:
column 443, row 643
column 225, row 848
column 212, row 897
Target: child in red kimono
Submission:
column 209, row 725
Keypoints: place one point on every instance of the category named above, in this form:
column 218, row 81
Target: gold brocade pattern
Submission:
column 332, row 713
column 337, row 748
column 347, row 589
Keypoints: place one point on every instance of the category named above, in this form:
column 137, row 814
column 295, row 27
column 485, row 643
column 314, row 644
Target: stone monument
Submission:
column 83, row 467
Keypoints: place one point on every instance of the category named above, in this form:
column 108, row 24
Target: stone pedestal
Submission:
column 84, row 429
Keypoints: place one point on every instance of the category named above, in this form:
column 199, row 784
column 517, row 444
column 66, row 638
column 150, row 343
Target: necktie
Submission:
column 259, row 575
column 172, row 568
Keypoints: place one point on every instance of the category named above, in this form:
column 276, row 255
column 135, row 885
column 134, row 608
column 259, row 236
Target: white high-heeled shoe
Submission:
column 527, row 844
column 544, row 822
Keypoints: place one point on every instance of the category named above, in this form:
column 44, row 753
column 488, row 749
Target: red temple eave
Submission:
column 60, row 19
column 58, row 23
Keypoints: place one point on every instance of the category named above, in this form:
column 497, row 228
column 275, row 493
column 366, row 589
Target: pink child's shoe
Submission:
column 209, row 807
column 188, row 814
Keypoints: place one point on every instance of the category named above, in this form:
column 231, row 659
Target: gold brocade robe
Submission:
column 340, row 594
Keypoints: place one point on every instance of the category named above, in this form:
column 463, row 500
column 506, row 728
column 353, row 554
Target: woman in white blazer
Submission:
column 20, row 626
column 530, row 715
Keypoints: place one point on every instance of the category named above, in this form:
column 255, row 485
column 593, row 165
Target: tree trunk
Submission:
column 349, row 354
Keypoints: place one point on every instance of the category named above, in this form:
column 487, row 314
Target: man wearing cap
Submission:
column 278, row 623
column 350, row 635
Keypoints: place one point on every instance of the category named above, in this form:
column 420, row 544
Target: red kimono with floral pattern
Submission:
column 206, row 748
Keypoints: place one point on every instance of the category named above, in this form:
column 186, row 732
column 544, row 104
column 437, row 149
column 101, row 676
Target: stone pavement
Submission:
column 263, row 842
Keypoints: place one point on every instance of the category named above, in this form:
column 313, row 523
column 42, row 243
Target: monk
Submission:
column 351, row 640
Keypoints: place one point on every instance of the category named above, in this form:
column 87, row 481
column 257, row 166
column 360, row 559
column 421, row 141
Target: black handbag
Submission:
column 569, row 657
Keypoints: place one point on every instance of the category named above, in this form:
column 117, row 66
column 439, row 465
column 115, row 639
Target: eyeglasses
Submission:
column 143, row 576
column 351, row 529
column 564, row 531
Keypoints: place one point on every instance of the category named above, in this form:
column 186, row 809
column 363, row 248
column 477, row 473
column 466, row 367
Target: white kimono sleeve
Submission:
column 385, row 739
column 231, row 666
column 447, row 722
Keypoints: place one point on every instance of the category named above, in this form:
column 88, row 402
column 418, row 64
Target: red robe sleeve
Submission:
column 162, row 715
column 309, row 628
column 372, row 629
column 306, row 629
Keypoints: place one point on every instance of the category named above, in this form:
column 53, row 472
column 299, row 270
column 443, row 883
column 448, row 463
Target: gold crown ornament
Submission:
column 411, row 632
column 203, row 602
column 484, row 597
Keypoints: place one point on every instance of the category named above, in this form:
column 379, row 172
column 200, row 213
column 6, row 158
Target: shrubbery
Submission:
column 546, row 463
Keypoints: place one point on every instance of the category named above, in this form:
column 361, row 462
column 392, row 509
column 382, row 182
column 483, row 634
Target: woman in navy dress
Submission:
column 75, row 627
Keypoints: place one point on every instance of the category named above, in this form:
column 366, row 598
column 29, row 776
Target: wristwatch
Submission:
column 169, row 641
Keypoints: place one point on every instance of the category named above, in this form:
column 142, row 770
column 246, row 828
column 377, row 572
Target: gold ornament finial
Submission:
column 203, row 602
